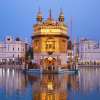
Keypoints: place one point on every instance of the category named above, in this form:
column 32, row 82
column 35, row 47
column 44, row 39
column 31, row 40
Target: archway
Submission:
column 50, row 63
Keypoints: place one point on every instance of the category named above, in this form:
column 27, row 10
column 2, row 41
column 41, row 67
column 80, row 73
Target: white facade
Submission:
column 89, row 51
column 12, row 50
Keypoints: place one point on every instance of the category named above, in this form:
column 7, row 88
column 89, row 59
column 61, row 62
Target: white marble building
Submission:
column 89, row 51
column 12, row 50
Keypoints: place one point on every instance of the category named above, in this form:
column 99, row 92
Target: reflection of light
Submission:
column 13, row 59
column 0, row 72
column 50, row 86
column 50, row 31
column 13, row 72
column 3, row 71
column 8, row 72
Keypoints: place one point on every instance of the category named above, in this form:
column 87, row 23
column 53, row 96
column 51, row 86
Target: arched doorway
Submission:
column 50, row 63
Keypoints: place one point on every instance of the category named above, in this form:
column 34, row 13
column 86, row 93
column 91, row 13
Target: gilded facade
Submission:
column 50, row 39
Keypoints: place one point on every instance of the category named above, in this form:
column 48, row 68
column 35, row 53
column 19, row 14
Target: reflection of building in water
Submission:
column 53, row 87
column 12, row 80
column 50, row 41
column 89, row 79
column 45, row 87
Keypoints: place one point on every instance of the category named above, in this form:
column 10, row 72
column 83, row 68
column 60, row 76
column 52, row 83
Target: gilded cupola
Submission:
column 61, row 16
column 39, row 16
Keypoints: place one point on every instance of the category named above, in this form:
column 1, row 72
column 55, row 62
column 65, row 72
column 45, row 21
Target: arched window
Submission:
column 50, row 44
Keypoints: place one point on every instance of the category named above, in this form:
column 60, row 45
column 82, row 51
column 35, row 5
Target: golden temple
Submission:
column 50, row 41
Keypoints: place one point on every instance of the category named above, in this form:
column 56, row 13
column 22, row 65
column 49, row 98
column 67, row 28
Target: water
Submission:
column 15, row 85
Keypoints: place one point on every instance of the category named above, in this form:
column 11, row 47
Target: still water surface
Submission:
column 15, row 85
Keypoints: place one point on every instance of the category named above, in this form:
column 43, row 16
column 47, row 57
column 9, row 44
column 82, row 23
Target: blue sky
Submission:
column 18, row 16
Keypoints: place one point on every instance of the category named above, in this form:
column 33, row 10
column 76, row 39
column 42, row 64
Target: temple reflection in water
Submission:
column 54, row 87
column 49, row 89
column 48, row 86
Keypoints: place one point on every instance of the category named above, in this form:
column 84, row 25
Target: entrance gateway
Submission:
column 49, row 63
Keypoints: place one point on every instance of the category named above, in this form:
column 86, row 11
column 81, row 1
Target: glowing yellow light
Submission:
column 50, row 30
column 50, row 86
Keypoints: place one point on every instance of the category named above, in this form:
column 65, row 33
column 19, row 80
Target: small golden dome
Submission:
column 39, row 16
column 61, row 16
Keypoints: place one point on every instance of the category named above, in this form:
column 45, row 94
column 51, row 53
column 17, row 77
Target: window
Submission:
column 88, row 46
column 8, row 39
column 46, row 46
column 50, row 44
column 36, row 42
column 53, row 46
column 64, row 43
column 13, row 55
column 8, row 47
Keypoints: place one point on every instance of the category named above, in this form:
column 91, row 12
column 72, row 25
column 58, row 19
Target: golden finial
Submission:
column 39, row 15
column 61, row 15
column 50, row 15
